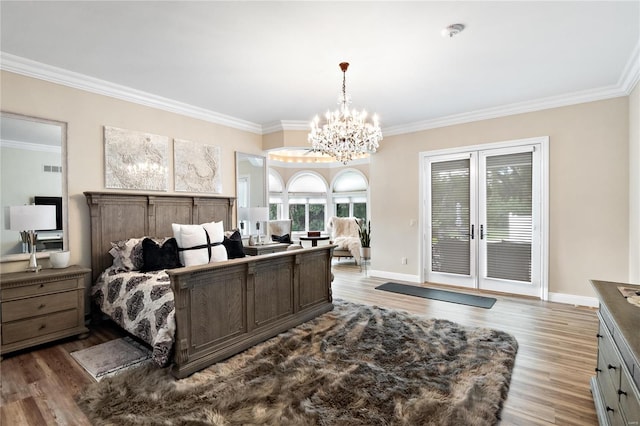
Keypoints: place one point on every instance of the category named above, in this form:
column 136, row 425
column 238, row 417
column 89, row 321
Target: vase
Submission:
column 59, row 259
column 365, row 253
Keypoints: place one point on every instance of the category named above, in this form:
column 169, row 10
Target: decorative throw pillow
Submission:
column 127, row 254
column 200, row 244
column 156, row 257
column 286, row 238
column 233, row 244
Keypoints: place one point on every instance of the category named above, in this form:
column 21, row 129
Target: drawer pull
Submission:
column 42, row 327
column 41, row 285
column 611, row 367
column 610, row 409
column 621, row 392
column 41, row 306
column 598, row 370
column 599, row 335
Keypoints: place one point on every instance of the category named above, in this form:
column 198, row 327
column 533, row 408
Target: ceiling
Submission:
column 270, row 64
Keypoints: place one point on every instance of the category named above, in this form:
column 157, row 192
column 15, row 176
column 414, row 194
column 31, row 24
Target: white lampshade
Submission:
column 259, row 214
column 32, row 217
column 243, row 213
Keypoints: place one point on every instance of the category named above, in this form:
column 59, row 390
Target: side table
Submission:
column 265, row 249
column 314, row 240
column 39, row 307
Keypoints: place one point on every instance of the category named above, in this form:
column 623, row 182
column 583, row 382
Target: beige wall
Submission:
column 86, row 114
column 634, row 185
column 589, row 173
column 589, row 189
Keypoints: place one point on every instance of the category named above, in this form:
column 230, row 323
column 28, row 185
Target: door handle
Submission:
column 472, row 235
column 481, row 232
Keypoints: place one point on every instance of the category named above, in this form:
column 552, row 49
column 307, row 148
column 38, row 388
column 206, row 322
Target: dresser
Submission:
column 265, row 249
column 617, row 379
column 40, row 307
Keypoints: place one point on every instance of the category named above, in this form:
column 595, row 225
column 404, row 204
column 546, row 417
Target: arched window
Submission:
column 276, row 195
column 307, row 194
column 349, row 192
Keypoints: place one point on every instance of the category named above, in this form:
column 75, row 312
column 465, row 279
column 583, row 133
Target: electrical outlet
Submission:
column 403, row 260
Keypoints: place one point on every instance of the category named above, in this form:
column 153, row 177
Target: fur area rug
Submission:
column 355, row 365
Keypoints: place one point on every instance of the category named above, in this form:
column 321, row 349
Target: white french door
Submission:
column 483, row 218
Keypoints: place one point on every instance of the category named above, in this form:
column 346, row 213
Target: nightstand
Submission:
column 39, row 307
column 265, row 249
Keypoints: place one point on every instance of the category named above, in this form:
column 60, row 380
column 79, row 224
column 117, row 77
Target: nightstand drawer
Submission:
column 41, row 305
column 39, row 326
column 35, row 289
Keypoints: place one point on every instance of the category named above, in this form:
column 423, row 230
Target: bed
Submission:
column 219, row 309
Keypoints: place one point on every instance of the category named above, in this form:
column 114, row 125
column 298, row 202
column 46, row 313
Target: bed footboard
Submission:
column 225, row 308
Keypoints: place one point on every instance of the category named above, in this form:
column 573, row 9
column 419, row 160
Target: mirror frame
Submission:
column 64, row 190
column 265, row 193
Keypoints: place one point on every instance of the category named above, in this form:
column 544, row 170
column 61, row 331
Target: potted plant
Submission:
column 364, row 231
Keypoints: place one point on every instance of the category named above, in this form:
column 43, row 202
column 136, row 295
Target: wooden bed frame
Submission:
column 221, row 308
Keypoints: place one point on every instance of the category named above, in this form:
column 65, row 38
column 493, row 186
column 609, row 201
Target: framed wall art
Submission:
column 135, row 160
column 196, row 167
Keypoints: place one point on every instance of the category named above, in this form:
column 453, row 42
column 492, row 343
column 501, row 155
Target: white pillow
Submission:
column 189, row 236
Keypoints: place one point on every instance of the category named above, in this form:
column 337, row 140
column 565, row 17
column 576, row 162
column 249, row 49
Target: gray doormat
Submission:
column 443, row 295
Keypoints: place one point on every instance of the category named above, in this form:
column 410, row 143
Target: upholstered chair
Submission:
column 278, row 229
column 344, row 233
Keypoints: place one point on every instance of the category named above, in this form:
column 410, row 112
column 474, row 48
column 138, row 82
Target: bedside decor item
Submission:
column 259, row 215
column 135, row 160
column 364, row 232
column 59, row 259
column 196, row 167
column 343, row 367
column 30, row 219
column 347, row 134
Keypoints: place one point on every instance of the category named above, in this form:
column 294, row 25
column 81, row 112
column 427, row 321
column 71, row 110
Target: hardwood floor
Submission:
column 549, row 386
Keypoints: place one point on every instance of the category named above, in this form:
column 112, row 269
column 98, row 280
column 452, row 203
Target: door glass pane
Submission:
column 450, row 217
column 509, row 212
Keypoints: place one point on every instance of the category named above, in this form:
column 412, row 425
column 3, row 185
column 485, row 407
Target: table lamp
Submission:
column 258, row 215
column 29, row 219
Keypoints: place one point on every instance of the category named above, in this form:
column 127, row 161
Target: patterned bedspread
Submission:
column 142, row 303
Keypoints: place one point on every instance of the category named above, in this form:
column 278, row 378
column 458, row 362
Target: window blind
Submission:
column 509, row 226
column 450, row 217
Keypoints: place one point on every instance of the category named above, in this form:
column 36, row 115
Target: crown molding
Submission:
column 30, row 68
column 16, row 64
column 628, row 80
column 28, row 146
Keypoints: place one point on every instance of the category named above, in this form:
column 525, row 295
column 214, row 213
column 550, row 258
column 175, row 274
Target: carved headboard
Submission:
column 119, row 216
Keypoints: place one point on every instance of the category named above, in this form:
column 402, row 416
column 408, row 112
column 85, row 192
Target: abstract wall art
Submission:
column 196, row 167
column 135, row 160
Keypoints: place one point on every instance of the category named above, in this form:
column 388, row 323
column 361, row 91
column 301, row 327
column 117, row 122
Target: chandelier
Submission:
column 346, row 134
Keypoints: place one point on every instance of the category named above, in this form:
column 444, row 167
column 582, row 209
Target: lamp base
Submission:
column 33, row 262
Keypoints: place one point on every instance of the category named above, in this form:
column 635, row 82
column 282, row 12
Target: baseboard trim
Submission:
column 572, row 299
column 395, row 276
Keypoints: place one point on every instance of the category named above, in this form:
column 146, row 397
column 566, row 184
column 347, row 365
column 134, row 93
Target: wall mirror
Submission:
column 251, row 191
column 32, row 171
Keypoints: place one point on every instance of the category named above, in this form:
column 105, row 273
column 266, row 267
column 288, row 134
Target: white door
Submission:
column 483, row 219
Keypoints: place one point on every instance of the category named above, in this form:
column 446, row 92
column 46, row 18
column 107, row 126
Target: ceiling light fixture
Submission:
column 347, row 133
column 452, row 30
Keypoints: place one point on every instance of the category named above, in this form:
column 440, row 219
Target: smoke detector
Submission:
column 452, row 30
